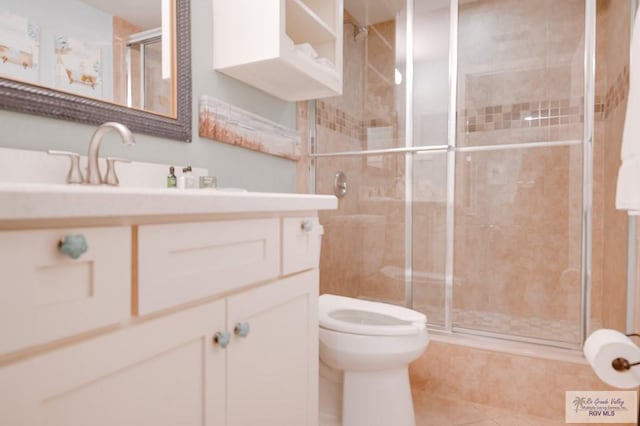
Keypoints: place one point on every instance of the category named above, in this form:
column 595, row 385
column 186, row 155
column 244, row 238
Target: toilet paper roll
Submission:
column 605, row 345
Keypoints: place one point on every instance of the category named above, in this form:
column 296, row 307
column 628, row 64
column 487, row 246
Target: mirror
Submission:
column 93, row 61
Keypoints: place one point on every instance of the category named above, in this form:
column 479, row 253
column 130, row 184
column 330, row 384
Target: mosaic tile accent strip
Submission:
column 542, row 113
column 522, row 115
column 302, row 110
column 338, row 120
column 618, row 91
column 223, row 122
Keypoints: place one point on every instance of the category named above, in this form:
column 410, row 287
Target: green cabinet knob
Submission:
column 73, row 245
column 306, row 225
column 222, row 338
column 242, row 329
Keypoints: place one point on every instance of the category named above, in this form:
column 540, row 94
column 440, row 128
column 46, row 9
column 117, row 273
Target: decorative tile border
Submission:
column 541, row 113
column 522, row 115
column 545, row 112
column 618, row 91
column 223, row 122
column 333, row 118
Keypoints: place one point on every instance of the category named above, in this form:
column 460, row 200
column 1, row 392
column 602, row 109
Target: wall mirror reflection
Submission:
column 125, row 57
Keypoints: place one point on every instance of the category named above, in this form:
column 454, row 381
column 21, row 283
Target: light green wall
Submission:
column 233, row 166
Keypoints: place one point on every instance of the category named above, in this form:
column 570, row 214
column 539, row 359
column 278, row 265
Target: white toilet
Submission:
column 365, row 351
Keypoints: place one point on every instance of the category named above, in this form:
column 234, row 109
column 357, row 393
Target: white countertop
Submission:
column 20, row 202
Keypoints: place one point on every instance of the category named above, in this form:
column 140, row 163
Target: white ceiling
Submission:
column 145, row 13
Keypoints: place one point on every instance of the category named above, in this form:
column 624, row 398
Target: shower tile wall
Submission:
column 303, row 165
column 613, row 78
column 363, row 247
column 526, row 384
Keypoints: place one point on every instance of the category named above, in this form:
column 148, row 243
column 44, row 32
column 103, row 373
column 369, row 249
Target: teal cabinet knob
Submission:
column 73, row 245
column 222, row 338
column 242, row 329
column 306, row 225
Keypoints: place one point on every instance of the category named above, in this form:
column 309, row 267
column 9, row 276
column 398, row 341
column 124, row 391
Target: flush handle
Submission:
column 306, row 225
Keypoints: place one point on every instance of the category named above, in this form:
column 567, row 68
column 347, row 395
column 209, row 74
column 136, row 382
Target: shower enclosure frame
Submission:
column 141, row 40
column 451, row 149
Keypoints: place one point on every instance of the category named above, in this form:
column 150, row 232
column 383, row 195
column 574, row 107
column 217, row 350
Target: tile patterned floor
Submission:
column 565, row 331
column 434, row 410
column 541, row 328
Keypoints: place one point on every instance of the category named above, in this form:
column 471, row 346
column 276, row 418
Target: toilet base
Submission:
column 330, row 396
column 377, row 398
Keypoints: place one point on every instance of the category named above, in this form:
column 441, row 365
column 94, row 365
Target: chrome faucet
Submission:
column 93, row 173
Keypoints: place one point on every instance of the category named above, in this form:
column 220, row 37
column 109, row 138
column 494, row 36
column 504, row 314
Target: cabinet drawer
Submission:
column 178, row 263
column 301, row 238
column 46, row 295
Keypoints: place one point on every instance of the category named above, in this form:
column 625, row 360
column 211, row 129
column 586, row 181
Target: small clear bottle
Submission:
column 172, row 181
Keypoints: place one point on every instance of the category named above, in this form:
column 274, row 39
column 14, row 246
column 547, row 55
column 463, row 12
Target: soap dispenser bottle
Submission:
column 172, row 181
column 188, row 180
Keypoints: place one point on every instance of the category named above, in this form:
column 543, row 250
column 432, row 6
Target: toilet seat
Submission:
column 355, row 316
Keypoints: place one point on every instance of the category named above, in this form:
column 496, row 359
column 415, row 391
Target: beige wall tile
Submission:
column 528, row 385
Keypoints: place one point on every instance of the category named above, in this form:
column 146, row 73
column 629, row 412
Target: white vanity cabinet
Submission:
column 210, row 322
column 170, row 371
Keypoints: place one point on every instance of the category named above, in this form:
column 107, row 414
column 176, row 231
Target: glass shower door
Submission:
column 519, row 169
column 464, row 131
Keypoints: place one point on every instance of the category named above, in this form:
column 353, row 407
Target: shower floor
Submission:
column 565, row 331
column 552, row 330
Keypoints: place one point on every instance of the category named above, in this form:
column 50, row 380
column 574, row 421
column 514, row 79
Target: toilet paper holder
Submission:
column 623, row 364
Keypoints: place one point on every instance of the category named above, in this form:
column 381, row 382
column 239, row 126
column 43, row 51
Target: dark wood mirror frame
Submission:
column 31, row 99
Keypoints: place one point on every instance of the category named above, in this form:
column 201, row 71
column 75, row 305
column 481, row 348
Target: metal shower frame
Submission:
column 451, row 149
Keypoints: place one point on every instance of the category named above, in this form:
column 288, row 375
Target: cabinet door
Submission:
column 163, row 372
column 272, row 373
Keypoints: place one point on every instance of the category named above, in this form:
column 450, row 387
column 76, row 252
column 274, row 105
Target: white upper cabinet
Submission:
column 291, row 49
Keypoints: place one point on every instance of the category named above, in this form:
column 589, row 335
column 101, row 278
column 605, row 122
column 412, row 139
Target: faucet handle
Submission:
column 112, row 178
column 74, row 175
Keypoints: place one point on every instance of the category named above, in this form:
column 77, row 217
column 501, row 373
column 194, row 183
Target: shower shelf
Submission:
column 254, row 45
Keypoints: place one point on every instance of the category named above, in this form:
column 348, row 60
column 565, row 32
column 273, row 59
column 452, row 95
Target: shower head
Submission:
column 360, row 31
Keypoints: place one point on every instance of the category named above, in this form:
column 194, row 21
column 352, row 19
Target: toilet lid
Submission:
column 349, row 315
